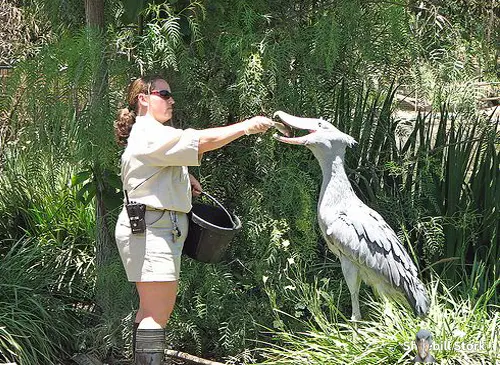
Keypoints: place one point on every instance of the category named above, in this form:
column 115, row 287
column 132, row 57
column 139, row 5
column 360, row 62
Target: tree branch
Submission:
column 191, row 358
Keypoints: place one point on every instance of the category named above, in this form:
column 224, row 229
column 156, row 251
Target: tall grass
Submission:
column 465, row 331
column 46, row 266
column 38, row 322
column 59, row 230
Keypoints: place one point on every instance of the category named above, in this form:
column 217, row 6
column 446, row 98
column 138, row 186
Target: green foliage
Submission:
column 458, row 154
column 38, row 319
column 217, row 310
column 51, row 114
column 62, row 14
column 59, row 152
column 107, row 328
column 387, row 337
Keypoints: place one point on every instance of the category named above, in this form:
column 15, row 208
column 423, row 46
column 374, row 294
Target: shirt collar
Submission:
column 146, row 118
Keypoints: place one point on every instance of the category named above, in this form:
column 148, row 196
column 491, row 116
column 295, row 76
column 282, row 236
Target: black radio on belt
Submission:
column 136, row 212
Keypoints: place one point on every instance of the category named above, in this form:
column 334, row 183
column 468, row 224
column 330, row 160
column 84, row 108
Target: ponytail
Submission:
column 123, row 125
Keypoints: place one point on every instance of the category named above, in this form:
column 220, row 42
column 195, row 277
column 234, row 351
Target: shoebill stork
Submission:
column 423, row 340
column 367, row 247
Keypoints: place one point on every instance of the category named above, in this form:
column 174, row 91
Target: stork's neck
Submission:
column 336, row 190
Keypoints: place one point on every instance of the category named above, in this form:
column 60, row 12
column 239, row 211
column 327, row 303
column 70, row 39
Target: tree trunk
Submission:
column 99, row 110
column 94, row 13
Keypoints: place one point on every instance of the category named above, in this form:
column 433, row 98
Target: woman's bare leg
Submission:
column 157, row 301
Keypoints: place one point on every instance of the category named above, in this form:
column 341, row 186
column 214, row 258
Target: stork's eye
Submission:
column 320, row 124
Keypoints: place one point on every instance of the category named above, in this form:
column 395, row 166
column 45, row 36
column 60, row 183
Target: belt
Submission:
column 176, row 232
column 155, row 209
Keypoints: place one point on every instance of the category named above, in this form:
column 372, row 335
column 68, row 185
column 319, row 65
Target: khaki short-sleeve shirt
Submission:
column 162, row 151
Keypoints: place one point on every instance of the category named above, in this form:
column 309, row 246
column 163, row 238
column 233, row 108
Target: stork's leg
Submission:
column 351, row 275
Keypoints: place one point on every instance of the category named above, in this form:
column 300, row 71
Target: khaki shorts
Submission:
column 153, row 255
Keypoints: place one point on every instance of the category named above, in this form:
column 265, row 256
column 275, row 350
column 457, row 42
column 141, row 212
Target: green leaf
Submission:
column 112, row 199
column 112, row 179
column 80, row 177
column 86, row 193
column 91, row 193
column 132, row 10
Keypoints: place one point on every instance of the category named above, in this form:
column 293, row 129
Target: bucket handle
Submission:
column 220, row 205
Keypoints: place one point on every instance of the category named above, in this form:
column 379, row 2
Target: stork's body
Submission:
column 367, row 247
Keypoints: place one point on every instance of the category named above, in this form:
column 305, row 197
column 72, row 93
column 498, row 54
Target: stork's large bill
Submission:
column 294, row 122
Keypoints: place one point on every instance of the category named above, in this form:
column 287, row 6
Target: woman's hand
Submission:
column 195, row 186
column 257, row 124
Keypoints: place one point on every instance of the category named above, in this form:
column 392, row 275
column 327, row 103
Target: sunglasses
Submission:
column 164, row 94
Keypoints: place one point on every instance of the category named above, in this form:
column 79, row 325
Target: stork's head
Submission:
column 322, row 137
column 423, row 341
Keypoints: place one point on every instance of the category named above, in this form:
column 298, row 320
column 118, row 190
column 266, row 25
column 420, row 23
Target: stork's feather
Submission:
column 362, row 235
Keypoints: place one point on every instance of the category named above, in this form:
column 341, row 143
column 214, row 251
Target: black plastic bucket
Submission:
column 211, row 229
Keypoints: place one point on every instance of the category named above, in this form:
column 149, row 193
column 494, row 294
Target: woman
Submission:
column 154, row 172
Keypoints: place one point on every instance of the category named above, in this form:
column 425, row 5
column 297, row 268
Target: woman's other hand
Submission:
column 195, row 186
column 258, row 124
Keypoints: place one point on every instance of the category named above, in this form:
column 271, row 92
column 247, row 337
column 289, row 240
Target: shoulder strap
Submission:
column 142, row 182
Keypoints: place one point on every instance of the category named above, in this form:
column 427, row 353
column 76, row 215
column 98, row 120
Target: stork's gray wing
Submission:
column 365, row 238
